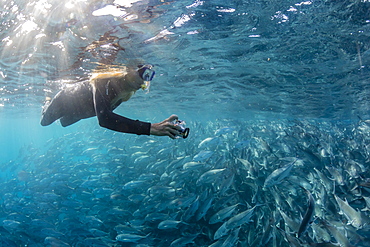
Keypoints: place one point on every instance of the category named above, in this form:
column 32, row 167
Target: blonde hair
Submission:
column 105, row 73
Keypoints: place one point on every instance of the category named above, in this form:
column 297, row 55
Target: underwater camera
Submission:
column 183, row 132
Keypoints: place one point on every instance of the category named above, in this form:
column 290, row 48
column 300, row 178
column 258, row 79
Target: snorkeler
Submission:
column 100, row 95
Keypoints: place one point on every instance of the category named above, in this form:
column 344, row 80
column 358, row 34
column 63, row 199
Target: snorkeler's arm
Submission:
column 108, row 119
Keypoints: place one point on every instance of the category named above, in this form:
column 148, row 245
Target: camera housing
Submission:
column 183, row 132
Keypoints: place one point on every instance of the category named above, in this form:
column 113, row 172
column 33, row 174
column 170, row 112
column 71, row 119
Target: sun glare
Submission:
column 126, row 3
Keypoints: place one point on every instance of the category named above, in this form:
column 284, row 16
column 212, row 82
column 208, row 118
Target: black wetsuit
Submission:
column 82, row 100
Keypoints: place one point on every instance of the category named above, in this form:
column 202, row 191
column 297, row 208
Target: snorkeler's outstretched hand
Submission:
column 165, row 128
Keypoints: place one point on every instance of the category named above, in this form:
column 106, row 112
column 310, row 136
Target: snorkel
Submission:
column 146, row 86
column 146, row 73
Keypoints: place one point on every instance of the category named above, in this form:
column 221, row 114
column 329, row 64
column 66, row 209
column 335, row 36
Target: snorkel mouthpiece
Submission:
column 145, row 86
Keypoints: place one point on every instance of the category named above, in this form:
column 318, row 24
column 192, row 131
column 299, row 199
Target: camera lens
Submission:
column 185, row 133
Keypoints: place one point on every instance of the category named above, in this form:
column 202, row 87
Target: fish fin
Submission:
column 365, row 209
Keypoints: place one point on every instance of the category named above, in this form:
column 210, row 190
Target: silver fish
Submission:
column 203, row 209
column 221, row 231
column 169, row 224
column 183, row 241
column 294, row 242
column 320, row 233
column 289, row 221
column 210, row 176
column 192, row 165
column 12, row 225
column 52, row 241
column 325, row 181
column 129, row 238
column 232, row 238
column 308, row 215
column 203, row 156
column 134, row 185
column 234, row 222
column 278, row 175
column 222, row 214
column 353, row 216
column 210, row 142
column 240, row 219
column 367, row 200
column 337, row 174
column 338, row 235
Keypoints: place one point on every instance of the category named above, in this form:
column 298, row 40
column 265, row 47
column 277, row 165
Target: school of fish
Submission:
column 231, row 183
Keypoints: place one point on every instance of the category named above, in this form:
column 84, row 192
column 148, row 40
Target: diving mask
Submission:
column 146, row 73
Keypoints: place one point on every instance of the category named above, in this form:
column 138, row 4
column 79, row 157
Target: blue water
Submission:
column 293, row 74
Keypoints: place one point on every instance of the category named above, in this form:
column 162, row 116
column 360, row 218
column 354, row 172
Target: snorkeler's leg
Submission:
column 68, row 120
column 69, row 105
column 53, row 110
